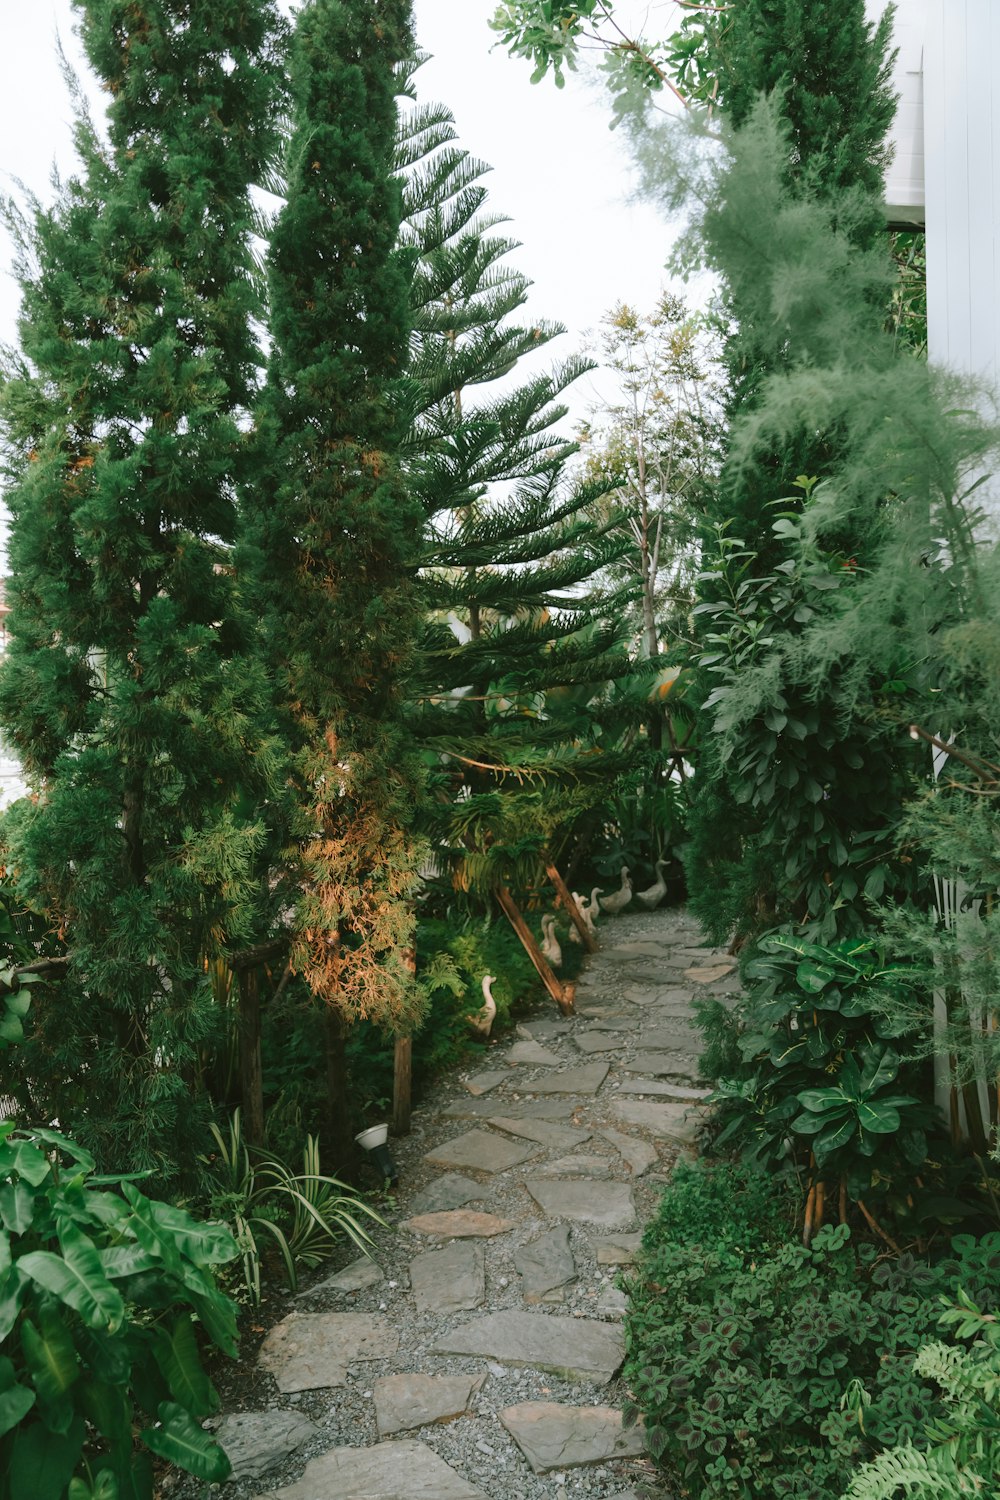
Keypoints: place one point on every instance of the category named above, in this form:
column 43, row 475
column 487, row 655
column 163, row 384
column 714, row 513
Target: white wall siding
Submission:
column 962, row 176
column 904, row 184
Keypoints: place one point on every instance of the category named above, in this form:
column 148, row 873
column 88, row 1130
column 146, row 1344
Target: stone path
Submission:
column 477, row 1355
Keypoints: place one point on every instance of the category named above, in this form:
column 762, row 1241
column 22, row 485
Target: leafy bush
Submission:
column 100, row 1291
column 742, row 1364
column 819, row 1079
column 958, row 1453
column 720, row 1204
column 301, row 1214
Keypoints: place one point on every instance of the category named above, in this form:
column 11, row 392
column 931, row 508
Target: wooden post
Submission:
column 340, row 1148
column 402, row 1066
column 562, row 994
column 402, row 1069
column 251, row 1070
column 569, row 906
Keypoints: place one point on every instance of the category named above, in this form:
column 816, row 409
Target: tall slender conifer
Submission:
column 332, row 532
column 123, row 692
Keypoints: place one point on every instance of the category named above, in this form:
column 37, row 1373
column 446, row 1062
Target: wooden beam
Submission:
column 570, row 907
column 562, row 994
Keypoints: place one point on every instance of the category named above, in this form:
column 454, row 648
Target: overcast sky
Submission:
column 560, row 175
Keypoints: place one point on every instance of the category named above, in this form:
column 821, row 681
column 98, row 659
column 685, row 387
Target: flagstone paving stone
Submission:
column 406, row 1402
column 533, row 1055
column 451, row 1190
column 459, row 1223
column 556, row 1137
column 357, row 1277
column 552, row 1436
column 256, row 1441
column 656, row 1086
column 638, row 1155
column 483, row 1083
column 577, row 1166
column 581, row 1081
column 665, row 1038
column 310, row 1351
column 546, row 1266
column 617, row 1249
column 480, row 1151
column 598, row 1041
column 576, row 1348
column 669, row 1121
column 522, row 1109
column 609, row 1204
column 449, row 1280
column 402, row 1470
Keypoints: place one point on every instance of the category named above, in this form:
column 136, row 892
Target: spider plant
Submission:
column 303, row 1213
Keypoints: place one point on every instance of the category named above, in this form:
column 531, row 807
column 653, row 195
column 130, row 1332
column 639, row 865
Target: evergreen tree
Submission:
column 332, row 533
column 517, row 699
column 124, row 691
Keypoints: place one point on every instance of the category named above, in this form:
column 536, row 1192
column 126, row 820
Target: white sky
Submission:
column 560, row 175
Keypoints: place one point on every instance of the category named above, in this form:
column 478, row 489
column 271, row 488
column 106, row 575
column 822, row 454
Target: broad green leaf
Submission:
column 878, row 1119
column 27, row 1160
column 64, row 1146
column 126, row 1260
column 181, row 1441
column 105, row 1487
column 818, row 1100
column 217, row 1315
column 814, row 977
column 77, row 1278
column 209, row 1244
column 15, row 1403
column 829, row 1141
column 12, row 1287
column 107, row 1408
column 178, row 1358
column 42, row 1462
column 50, row 1355
column 879, row 1070
column 17, row 1207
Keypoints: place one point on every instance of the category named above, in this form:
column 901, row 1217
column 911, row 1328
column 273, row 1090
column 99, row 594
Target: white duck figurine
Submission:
column 586, row 914
column 618, row 900
column 592, row 910
column 482, row 1021
column 652, row 897
column 551, row 950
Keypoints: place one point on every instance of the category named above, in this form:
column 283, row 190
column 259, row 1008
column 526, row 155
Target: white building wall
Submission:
column 962, row 184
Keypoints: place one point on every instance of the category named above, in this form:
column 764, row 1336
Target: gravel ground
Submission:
column 477, row 1445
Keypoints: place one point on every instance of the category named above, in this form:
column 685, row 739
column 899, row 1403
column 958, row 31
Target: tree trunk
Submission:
column 251, row 1071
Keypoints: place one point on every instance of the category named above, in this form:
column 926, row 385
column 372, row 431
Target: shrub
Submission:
column 958, row 1454
column 742, row 1364
column 100, row 1291
column 720, row 1204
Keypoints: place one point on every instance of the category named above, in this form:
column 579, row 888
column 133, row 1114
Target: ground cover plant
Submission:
column 763, row 1368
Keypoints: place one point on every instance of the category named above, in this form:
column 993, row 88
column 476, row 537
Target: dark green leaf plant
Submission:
column 102, row 1291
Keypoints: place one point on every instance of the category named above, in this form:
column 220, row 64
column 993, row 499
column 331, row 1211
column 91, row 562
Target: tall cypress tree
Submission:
column 123, row 691
column 332, row 533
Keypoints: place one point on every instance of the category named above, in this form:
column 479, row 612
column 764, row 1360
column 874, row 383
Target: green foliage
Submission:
column 126, row 692
column 101, row 1293
column 331, row 530
column 741, row 1363
column 269, row 1206
column 817, row 1071
column 957, row 1453
column 720, row 1205
column 518, row 705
